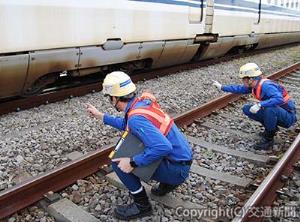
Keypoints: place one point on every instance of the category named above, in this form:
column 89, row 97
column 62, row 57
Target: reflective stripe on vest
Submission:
column 147, row 95
column 153, row 113
column 257, row 93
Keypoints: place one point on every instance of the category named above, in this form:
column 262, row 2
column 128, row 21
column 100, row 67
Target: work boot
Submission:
column 162, row 189
column 264, row 133
column 141, row 207
column 264, row 144
column 267, row 141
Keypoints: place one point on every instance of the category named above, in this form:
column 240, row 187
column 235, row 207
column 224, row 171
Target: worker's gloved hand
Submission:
column 255, row 108
column 217, row 84
column 93, row 112
column 124, row 164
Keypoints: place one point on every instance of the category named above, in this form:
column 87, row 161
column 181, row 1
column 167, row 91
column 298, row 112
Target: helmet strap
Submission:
column 117, row 101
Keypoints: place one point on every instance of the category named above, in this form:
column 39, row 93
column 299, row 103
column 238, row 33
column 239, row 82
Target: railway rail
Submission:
column 30, row 191
column 51, row 96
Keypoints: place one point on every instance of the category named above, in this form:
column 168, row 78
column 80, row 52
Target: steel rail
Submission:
column 34, row 189
column 265, row 194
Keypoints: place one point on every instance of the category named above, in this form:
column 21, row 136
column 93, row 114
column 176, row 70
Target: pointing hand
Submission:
column 93, row 112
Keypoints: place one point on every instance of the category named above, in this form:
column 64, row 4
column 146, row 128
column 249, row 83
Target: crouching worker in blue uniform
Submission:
column 160, row 136
column 275, row 107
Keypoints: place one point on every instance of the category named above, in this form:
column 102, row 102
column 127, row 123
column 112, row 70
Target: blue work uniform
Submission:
column 173, row 149
column 274, row 111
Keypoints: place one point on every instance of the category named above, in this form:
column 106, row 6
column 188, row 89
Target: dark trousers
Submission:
column 271, row 117
column 167, row 172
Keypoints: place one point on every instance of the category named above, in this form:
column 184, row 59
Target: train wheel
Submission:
column 40, row 84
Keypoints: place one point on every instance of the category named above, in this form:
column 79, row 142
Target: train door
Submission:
column 257, row 18
column 196, row 12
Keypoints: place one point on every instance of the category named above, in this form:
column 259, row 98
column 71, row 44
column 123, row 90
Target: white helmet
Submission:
column 250, row 70
column 118, row 84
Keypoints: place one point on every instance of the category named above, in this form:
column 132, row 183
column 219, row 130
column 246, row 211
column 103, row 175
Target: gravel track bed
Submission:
column 247, row 127
column 234, row 141
column 37, row 139
column 31, row 214
column 295, row 96
column 291, row 84
column 211, row 193
column 237, row 124
column 228, row 164
column 97, row 196
column 221, row 138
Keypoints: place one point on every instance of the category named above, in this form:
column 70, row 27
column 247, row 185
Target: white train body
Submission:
column 41, row 38
column 48, row 24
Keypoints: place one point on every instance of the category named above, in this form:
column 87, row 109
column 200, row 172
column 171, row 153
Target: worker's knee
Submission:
column 270, row 111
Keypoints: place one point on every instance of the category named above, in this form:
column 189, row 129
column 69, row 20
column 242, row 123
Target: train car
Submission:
column 250, row 24
column 44, row 40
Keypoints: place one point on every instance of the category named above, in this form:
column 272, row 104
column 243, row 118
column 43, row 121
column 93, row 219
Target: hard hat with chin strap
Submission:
column 250, row 70
column 118, row 84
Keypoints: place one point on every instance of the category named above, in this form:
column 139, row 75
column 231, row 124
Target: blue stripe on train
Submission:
column 251, row 11
column 173, row 2
column 253, row 5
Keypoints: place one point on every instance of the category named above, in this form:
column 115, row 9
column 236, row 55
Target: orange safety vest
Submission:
column 153, row 113
column 257, row 92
